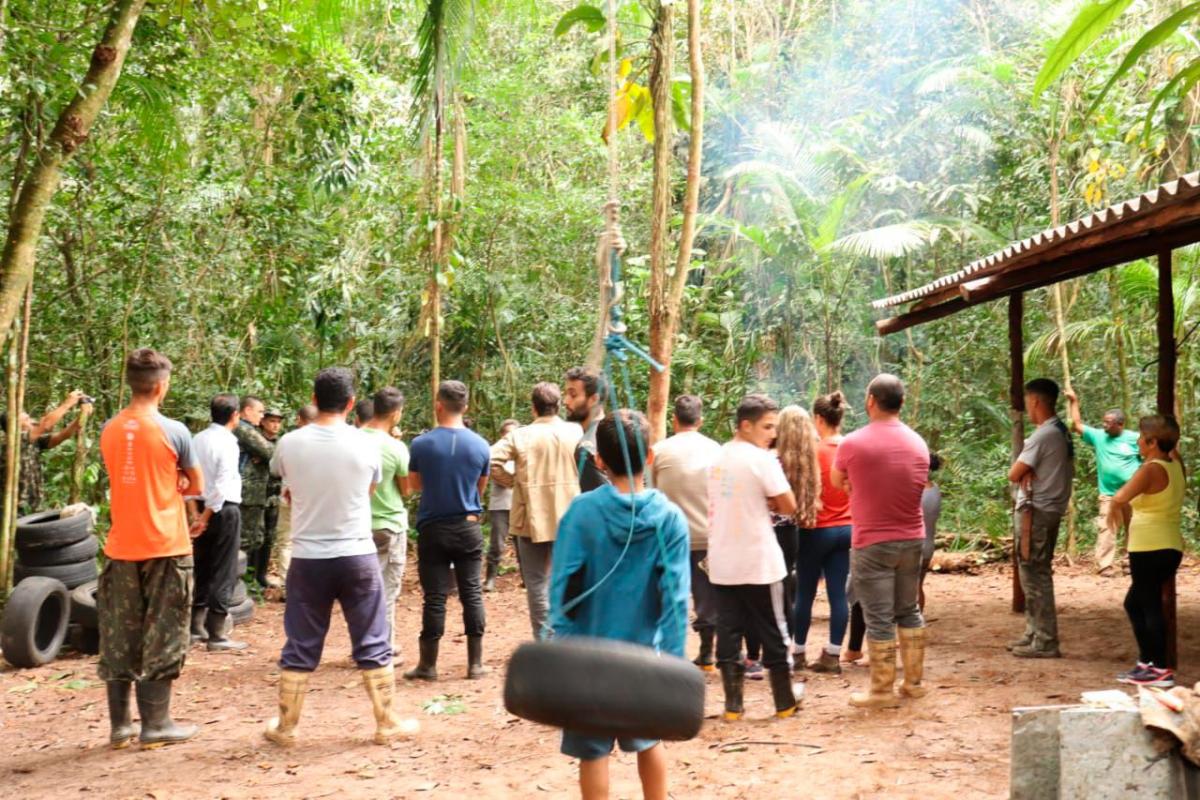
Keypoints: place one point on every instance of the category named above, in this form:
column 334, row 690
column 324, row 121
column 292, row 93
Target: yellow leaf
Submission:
column 625, row 68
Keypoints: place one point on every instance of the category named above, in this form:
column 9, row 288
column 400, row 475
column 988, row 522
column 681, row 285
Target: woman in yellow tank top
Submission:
column 1155, row 496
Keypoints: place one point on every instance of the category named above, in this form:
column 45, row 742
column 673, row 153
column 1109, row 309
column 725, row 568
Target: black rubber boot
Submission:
column 154, row 704
column 705, row 660
column 733, row 679
column 426, row 668
column 119, row 716
column 781, row 691
column 198, row 633
column 489, row 583
column 475, row 667
column 218, row 640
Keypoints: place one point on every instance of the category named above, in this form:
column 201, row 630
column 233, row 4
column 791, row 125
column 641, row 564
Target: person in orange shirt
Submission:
column 145, row 593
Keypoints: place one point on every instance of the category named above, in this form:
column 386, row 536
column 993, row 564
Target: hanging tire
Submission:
column 84, row 550
column 83, row 605
column 48, row 530
column 239, row 593
column 83, row 639
column 243, row 563
column 70, row 575
column 242, row 612
column 35, row 622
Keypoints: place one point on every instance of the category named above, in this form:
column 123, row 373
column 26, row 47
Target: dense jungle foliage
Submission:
column 254, row 201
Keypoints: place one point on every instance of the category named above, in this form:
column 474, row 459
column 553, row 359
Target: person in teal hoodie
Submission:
column 616, row 529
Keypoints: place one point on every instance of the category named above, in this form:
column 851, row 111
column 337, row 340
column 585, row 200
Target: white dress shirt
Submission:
column 217, row 451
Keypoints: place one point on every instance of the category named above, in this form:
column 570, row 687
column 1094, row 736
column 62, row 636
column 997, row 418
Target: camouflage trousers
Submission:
column 1037, row 578
column 253, row 527
column 144, row 610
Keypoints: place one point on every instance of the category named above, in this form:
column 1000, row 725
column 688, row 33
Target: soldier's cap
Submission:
column 273, row 412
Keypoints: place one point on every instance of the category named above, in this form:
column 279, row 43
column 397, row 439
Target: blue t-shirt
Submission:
column 450, row 462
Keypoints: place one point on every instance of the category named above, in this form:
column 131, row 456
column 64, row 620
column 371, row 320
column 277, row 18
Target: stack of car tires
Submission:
column 52, row 546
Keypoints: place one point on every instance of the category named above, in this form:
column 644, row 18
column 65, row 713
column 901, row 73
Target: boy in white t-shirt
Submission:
column 745, row 565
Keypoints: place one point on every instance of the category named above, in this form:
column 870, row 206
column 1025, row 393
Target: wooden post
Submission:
column 1166, row 405
column 1016, row 398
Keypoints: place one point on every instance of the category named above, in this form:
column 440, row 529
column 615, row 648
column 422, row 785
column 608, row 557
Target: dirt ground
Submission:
column 952, row 744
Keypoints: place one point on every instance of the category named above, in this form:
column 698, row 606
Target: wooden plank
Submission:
column 1166, row 406
column 1016, row 398
column 894, row 324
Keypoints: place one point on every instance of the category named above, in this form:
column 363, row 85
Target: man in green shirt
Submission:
column 1117, row 458
column 389, row 517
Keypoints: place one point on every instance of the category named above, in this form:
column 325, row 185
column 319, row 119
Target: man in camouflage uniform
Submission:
column 36, row 437
column 255, row 462
column 272, row 424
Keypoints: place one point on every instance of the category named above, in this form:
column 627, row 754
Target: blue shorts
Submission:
column 589, row 748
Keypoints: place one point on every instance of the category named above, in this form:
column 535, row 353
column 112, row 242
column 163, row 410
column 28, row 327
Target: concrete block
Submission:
column 1035, row 745
column 1109, row 755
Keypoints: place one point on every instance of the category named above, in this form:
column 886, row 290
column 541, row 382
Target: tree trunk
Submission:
column 662, row 346
column 662, row 42
column 12, row 450
column 71, row 131
column 77, row 466
column 439, row 233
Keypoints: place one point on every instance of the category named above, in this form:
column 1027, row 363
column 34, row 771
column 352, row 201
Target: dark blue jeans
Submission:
column 822, row 551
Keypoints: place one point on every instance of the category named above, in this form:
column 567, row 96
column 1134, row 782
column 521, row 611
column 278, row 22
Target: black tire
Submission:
column 605, row 688
column 35, row 622
column 243, row 611
column 83, row 639
column 84, row 550
column 48, row 530
column 243, row 563
column 71, row 575
column 83, row 605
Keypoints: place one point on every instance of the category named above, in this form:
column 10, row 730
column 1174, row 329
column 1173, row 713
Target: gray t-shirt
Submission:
column 1049, row 453
column 931, row 509
column 329, row 470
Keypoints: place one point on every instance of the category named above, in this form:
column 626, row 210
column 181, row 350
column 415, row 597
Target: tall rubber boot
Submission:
column 883, row 676
column 119, row 716
column 705, row 659
column 381, row 688
column 282, row 729
column 489, row 584
column 733, row 680
column 154, row 704
column 782, row 692
column 475, row 667
column 218, row 639
column 426, row 668
column 912, row 656
column 198, row 631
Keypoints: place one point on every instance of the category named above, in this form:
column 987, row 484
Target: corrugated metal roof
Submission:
column 1185, row 187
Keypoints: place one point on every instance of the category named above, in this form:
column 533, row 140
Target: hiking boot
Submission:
column 154, row 705
column 754, row 670
column 198, row 632
column 119, row 716
column 282, row 729
column 912, row 656
column 705, row 659
column 1025, row 641
column 218, row 639
column 883, row 676
column 426, row 668
column 1032, row 650
column 381, row 688
column 782, row 692
column 475, row 667
column 827, row 663
column 733, row 681
column 1149, row 675
column 852, row 656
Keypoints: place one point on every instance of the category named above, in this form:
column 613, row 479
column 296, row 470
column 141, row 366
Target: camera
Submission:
column 88, row 400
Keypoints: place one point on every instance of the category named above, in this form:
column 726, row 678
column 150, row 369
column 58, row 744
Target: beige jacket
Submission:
column 546, row 479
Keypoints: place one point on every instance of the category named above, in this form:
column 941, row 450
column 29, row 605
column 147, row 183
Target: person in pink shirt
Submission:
column 884, row 468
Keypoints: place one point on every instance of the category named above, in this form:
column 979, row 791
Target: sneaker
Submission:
column 1123, row 677
column 1150, row 675
column 754, row 670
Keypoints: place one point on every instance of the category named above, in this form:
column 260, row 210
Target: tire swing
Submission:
column 601, row 687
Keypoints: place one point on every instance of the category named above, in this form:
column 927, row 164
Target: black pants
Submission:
column 788, row 537
column 703, row 599
column 1149, row 572
column 858, row 628
column 442, row 543
column 216, row 557
column 753, row 609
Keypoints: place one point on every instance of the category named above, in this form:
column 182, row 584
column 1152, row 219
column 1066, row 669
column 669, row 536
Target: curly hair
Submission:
column 796, row 446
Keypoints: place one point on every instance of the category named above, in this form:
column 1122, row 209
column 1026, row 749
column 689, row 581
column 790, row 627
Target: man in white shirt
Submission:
column 331, row 469
column 216, row 531
column 680, row 471
column 745, row 564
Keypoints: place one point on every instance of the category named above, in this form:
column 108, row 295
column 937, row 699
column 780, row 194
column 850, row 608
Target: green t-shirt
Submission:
column 387, row 504
column 1117, row 458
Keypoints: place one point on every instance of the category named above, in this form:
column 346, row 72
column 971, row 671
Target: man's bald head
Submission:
column 888, row 393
